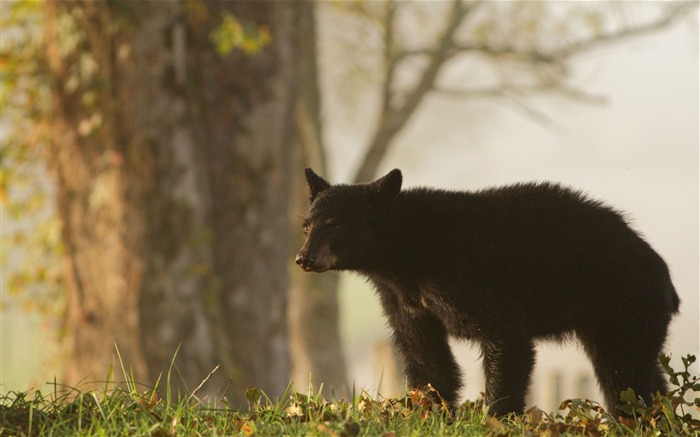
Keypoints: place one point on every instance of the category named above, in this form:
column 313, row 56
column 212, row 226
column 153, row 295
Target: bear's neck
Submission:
column 421, row 226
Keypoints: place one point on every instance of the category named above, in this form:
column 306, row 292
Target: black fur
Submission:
column 503, row 267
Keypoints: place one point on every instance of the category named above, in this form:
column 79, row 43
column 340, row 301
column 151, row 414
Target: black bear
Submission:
column 504, row 267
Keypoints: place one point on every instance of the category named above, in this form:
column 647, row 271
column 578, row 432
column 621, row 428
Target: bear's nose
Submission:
column 304, row 260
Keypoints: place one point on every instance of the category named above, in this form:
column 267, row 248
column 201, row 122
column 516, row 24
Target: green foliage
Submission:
column 231, row 34
column 24, row 100
column 121, row 409
column 667, row 414
column 31, row 239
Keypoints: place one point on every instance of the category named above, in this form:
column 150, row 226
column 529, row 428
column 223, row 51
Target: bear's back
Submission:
column 515, row 215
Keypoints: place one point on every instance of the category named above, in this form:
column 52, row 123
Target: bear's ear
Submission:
column 316, row 183
column 384, row 189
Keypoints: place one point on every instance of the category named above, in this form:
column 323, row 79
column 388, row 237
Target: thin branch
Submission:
column 507, row 91
column 676, row 11
column 516, row 96
column 392, row 120
column 203, row 382
column 537, row 115
column 390, row 59
column 580, row 95
column 508, row 94
column 437, row 60
column 558, row 55
column 487, row 92
column 495, row 52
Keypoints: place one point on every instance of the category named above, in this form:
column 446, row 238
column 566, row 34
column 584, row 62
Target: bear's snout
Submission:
column 316, row 259
column 305, row 260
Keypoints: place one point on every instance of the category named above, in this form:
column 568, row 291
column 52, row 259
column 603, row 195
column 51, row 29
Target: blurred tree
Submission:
column 173, row 131
column 170, row 146
column 315, row 343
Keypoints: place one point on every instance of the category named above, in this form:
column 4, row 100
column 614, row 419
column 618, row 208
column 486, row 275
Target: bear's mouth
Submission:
column 317, row 261
column 314, row 269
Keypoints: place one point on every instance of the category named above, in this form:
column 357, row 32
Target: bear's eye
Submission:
column 306, row 228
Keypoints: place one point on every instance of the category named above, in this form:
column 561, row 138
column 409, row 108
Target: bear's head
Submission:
column 341, row 227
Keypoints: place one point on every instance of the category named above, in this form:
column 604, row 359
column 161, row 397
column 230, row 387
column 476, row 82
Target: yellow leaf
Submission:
column 248, row 428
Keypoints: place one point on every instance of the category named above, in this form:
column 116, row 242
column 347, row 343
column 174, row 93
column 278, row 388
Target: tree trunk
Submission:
column 246, row 115
column 101, row 185
column 315, row 343
column 173, row 171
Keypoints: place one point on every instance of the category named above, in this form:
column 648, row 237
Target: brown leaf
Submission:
column 535, row 415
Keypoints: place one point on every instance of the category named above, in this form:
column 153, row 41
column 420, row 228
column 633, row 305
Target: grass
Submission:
column 120, row 409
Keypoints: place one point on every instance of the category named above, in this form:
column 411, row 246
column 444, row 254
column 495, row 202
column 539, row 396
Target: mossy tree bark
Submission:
column 173, row 169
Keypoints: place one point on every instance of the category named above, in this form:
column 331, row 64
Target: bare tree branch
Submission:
column 509, row 90
column 676, row 10
column 390, row 59
column 395, row 113
column 517, row 95
column 486, row 49
column 393, row 119
column 531, row 111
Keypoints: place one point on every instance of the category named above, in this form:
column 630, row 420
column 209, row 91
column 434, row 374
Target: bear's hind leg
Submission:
column 625, row 361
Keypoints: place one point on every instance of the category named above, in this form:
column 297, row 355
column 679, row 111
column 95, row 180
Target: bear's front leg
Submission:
column 423, row 343
column 507, row 365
